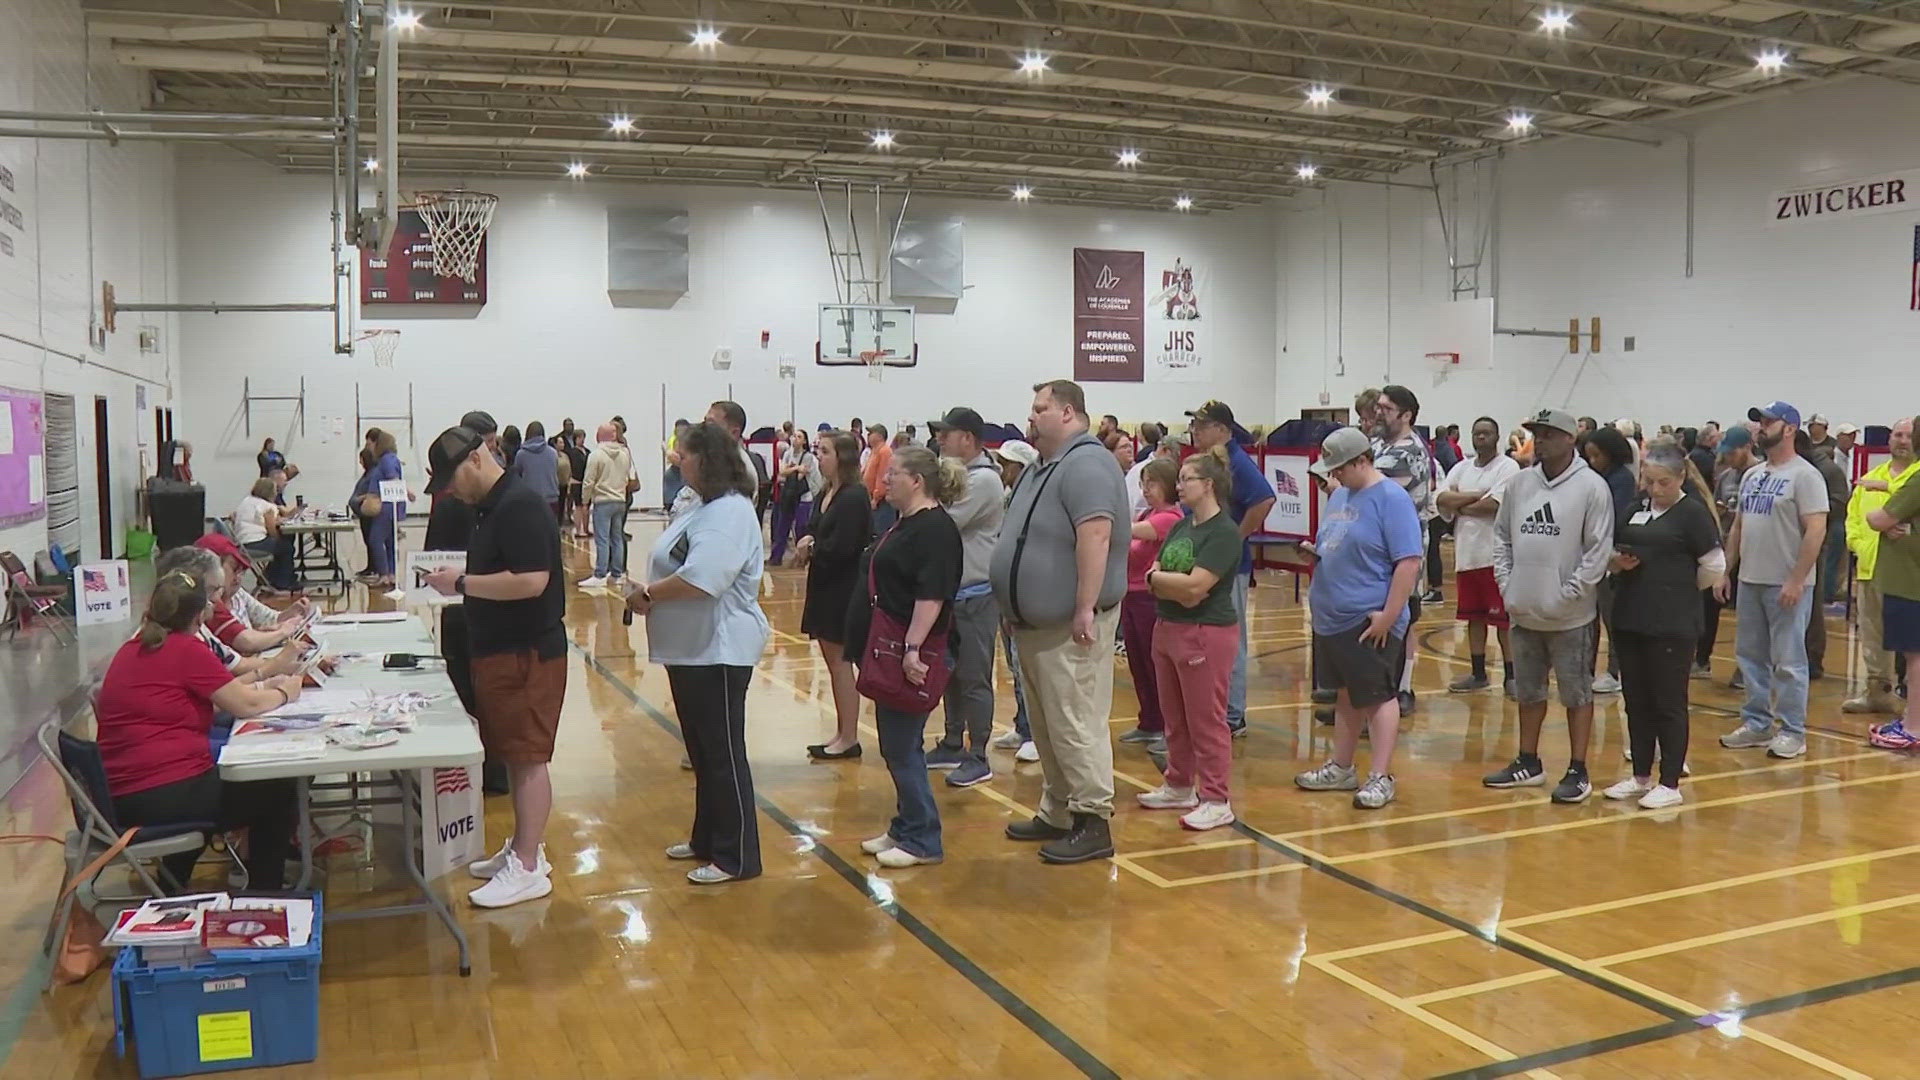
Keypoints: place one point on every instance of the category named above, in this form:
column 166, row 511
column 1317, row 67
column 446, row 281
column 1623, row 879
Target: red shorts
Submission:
column 1479, row 598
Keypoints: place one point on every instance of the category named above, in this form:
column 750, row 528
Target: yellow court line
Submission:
column 1584, row 823
column 1395, row 945
column 1235, row 875
column 1399, row 1004
column 1183, row 848
column 1487, row 808
column 1141, row 872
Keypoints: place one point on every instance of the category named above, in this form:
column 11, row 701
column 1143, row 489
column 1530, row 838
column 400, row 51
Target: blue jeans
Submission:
column 1237, row 685
column 1020, row 724
column 609, row 543
column 1772, row 650
column 916, row 826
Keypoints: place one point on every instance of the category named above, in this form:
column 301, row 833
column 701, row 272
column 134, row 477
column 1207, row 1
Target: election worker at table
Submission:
column 516, row 606
column 155, row 710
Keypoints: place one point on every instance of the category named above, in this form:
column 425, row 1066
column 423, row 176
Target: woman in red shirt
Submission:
column 153, row 715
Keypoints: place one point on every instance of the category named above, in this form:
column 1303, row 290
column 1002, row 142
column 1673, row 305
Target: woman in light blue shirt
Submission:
column 701, row 598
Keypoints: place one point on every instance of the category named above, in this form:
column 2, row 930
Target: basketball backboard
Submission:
column 850, row 333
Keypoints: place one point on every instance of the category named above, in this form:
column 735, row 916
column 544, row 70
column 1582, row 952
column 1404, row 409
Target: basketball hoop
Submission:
column 456, row 222
column 876, row 362
column 1442, row 365
column 381, row 344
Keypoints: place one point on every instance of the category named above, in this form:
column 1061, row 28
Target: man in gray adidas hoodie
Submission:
column 1553, row 535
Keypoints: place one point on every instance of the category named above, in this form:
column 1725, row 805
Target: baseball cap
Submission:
column 1216, row 412
column 1556, row 419
column 479, row 422
column 960, row 417
column 1778, row 410
column 1339, row 447
column 1846, row 429
column 1017, row 450
column 224, row 547
column 1733, row 439
column 1818, row 418
column 446, row 453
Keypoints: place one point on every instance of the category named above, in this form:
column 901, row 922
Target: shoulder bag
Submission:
column 882, row 678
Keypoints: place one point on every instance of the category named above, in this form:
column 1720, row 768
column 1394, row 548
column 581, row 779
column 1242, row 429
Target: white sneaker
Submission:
column 593, row 583
column 1027, row 752
column 682, row 850
column 878, row 844
column 1008, row 741
column 1168, row 797
column 1630, row 788
column 1606, row 684
column 900, row 858
column 484, row 869
column 1661, row 797
column 514, row 884
column 1210, row 815
column 708, row 874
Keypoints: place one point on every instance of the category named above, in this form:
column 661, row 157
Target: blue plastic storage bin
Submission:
column 244, row 1009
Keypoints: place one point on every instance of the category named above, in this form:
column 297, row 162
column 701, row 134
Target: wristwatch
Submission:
column 460, row 584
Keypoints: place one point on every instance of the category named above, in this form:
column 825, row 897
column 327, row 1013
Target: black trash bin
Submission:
column 178, row 512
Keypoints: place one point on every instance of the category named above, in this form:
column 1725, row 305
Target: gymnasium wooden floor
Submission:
column 1769, row 927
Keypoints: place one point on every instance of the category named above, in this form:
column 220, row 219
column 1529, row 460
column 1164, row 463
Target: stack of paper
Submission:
column 174, row 920
column 366, row 617
column 266, row 749
column 298, row 911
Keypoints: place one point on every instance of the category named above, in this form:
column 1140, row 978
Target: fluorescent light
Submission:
column 1184, row 202
column 1319, row 95
column 1022, row 192
column 883, row 140
column 1129, row 157
column 1520, row 121
column 1306, row 171
column 1770, row 61
column 1556, row 20
column 1033, row 64
column 372, row 164
column 621, row 125
column 406, row 20
column 706, row 37
column 577, row 170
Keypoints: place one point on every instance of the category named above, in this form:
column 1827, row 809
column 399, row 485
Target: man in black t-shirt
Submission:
column 515, row 604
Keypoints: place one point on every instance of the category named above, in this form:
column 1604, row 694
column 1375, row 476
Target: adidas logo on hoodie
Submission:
column 1540, row 522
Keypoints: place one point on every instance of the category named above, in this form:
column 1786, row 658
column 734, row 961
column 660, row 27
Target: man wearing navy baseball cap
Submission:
column 1779, row 523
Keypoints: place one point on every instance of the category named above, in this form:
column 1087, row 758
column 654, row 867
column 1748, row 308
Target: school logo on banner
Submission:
column 1180, row 331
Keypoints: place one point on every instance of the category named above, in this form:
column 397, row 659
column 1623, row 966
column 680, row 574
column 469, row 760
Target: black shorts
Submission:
column 1368, row 675
column 1900, row 624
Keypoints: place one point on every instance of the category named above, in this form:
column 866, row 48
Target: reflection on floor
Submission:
column 1766, row 927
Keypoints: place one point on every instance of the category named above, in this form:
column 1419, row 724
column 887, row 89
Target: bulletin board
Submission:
column 23, row 448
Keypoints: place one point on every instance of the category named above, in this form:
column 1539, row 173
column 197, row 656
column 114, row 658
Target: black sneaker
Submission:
column 1520, row 773
column 1406, row 703
column 1237, row 731
column 1089, row 840
column 1432, row 596
column 1035, row 828
column 1324, row 716
column 1325, row 697
column 1574, row 788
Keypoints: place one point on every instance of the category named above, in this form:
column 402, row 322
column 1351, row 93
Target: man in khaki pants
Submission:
column 1059, row 572
column 1870, row 494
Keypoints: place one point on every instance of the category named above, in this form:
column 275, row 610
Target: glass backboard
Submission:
column 853, row 334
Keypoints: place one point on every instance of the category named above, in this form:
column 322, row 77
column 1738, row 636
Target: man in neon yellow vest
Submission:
column 1870, row 494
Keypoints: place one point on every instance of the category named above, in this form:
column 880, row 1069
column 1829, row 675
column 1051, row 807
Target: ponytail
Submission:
column 178, row 599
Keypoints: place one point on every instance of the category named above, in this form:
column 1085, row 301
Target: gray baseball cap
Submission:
column 1557, row 419
column 1339, row 447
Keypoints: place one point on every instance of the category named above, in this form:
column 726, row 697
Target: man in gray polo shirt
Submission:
column 976, row 617
column 1059, row 572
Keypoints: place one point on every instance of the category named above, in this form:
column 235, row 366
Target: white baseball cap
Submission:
column 1017, row 450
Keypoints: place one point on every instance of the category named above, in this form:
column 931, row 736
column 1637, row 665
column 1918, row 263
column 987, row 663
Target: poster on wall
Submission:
column 1109, row 315
column 1180, row 314
column 1292, row 487
column 23, row 490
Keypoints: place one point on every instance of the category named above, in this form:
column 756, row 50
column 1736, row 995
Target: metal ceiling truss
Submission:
column 1211, row 93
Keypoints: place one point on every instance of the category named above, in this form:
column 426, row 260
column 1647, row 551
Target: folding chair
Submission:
column 27, row 598
column 84, row 775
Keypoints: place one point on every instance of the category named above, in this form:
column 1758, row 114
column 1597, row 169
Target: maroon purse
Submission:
column 882, row 679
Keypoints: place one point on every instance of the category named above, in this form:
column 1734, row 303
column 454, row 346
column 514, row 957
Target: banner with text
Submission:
column 1109, row 315
column 1177, row 337
column 422, row 563
column 1883, row 194
column 1293, row 493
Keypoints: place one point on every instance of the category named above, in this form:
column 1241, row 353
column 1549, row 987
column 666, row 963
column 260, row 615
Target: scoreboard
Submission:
column 405, row 275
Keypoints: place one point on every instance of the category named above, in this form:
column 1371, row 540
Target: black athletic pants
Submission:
column 265, row 808
column 1710, row 632
column 711, row 700
column 1436, row 528
column 1653, row 684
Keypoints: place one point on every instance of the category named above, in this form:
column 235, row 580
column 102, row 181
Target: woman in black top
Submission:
column 915, row 570
column 576, row 450
column 1665, row 545
column 271, row 459
column 842, row 523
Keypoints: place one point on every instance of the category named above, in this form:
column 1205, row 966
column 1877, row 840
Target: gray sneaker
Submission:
column 972, row 771
column 1746, row 738
column 1329, row 777
column 1787, row 745
column 1374, row 794
column 1138, row 735
column 944, row 757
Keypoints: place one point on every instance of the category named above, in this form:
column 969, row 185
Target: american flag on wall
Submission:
column 94, row 581
column 450, row 781
column 1285, row 484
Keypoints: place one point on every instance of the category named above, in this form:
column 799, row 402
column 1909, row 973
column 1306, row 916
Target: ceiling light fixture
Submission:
column 1319, row 95
column 621, row 125
column 883, row 140
column 1556, row 20
column 706, row 37
column 1129, row 157
column 372, row 164
column 1022, row 193
column 1307, row 171
column 1520, row 122
column 577, row 170
column 1033, row 64
column 1771, row 61
column 1184, row 202
column 406, row 20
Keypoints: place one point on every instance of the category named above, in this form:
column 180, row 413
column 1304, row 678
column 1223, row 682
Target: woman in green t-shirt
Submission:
column 1194, row 645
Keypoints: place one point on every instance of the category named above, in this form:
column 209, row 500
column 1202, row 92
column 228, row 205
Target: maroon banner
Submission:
column 1109, row 315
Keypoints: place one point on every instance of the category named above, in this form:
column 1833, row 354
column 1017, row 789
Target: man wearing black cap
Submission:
column 515, row 601
column 481, row 424
column 976, row 615
column 1248, row 502
column 450, row 528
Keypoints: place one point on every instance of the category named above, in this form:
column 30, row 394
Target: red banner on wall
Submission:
column 1109, row 315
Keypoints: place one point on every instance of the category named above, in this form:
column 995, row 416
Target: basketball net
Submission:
column 381, row 344
column 1442, row 365
column 876, row 368
column 456, row 222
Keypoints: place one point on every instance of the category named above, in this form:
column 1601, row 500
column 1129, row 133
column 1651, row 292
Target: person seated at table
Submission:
column 204, row 565
column 234, row 632
column 256, row 525
column 154, row 712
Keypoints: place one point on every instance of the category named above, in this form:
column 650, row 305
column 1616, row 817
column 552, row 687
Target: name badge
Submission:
column 1641, row 518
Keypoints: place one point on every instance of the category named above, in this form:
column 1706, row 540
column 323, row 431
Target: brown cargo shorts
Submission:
column 519, row 696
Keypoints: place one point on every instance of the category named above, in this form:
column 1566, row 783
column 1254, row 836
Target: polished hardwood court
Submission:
column 1767, row 927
